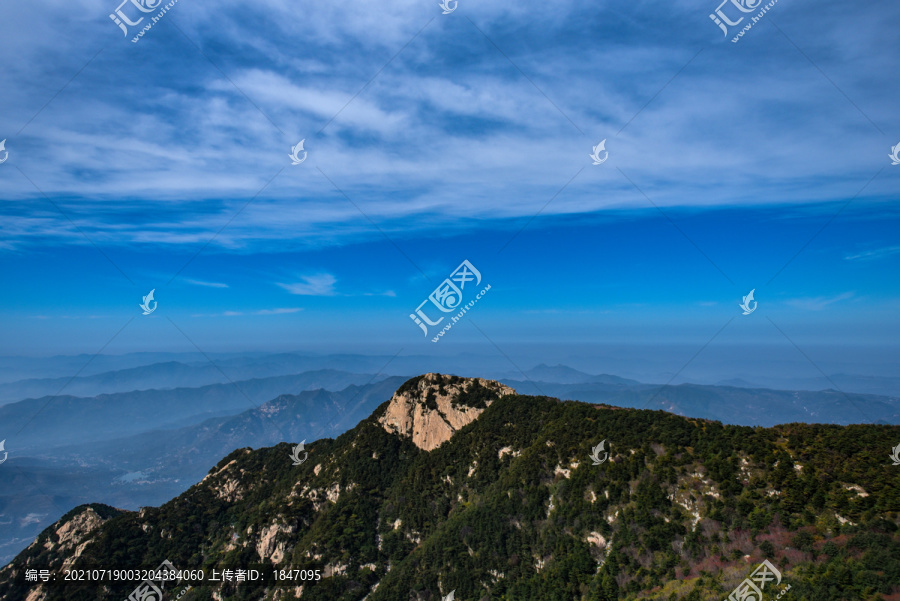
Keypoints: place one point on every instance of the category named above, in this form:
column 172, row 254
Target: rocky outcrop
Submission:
column 60, row 545
column 269, row 545
column 430, row 408
column 225, row 480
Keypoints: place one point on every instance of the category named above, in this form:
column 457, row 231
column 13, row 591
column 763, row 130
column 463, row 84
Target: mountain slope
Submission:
column 729, row 404
column 152, row 467
column 510, row 506
column 135, row 378
column 308, row 415
column 563, row 374
column 70, row 420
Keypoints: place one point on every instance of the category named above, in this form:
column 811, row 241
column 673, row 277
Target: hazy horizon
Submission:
column 756, row 363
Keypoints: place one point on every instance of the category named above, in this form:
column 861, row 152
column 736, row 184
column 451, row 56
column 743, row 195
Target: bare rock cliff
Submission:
column 60, row 545
column 430, row 408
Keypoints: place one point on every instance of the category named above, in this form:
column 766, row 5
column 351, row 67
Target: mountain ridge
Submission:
column 127, row 412
column 510, row 507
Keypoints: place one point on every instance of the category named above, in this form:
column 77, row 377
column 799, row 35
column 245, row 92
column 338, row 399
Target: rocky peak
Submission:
column 60, row 545
column 430, row 408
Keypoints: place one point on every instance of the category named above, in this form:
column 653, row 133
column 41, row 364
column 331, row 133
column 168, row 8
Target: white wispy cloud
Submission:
column 278, row 311
column 312, row 285
column 877, row 253
column 433, row 134
column 207, row 284
column 818, row 303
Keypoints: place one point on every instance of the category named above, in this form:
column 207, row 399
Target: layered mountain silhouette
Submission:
column 129, row 458
column 462, row 484
column 45, row 423
column 729, row 404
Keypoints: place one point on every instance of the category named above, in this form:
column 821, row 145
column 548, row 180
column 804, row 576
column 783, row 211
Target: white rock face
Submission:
column 560, row 470
column 859, row 490
column 267, row 548
column 596, row 539
column 73, row 533
column 507, row 451
column 427, row 413
column 73, row 536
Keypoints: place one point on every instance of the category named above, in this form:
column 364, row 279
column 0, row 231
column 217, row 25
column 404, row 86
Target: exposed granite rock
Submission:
column 60, row 545
column 430, row 408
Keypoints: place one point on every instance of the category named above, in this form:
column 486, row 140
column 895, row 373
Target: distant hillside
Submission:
column 151, row 467
column 189, row 451
column 136, row 378
column 69, row 420
column 461, row 485
column 562, row 374
column 174, row 374
column 730, row 404
column 881, row 385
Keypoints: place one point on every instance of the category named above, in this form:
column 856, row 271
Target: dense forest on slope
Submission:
column 512, row 508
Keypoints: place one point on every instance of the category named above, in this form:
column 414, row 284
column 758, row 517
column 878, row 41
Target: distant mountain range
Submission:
column 142, row 447
column 80, row 375
column 189, row 451
column 125, row 380
column 152, row 465
column 107, row 374
column 68, row 419
column 729, row 404
column 462, row 487
column 562, row 374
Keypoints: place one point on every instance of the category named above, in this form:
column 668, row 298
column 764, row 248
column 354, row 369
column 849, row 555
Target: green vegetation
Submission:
column 476, row 395
column 410, row 385
column 511, row 509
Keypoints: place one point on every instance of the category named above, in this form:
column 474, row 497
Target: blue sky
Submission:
column 130, row 163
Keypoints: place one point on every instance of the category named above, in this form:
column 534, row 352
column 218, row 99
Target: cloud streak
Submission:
column 818, row 303
column 449, row 130
column 871, row 255
column 206, row 284
column 312, row 285
column 278, row 311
